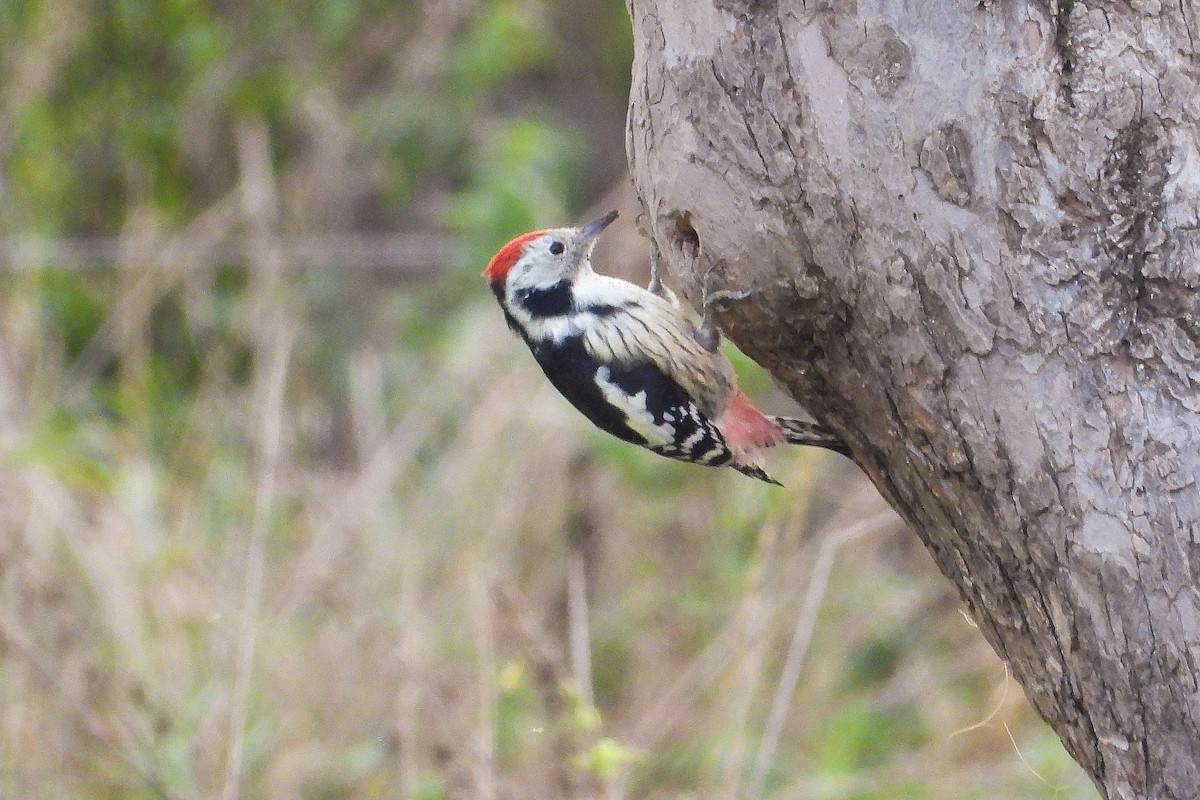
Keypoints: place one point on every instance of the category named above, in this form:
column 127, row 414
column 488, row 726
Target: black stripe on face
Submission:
column 513, row 325
column 552, row 301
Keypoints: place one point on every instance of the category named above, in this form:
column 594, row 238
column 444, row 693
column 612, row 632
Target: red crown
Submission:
column 502, row 262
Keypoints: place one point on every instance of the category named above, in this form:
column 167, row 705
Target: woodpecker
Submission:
column 630, row 359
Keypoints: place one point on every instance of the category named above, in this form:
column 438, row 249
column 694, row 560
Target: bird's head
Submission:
column 543, row 258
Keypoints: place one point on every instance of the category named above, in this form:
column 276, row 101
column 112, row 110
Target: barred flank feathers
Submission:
column 798, row 431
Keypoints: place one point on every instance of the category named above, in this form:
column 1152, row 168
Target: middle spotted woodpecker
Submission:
column 630, row 359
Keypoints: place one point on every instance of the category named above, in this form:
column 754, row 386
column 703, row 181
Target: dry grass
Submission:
column 433, row 616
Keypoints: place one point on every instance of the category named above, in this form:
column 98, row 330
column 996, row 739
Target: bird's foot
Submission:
column 656, row 286
column 708, row 335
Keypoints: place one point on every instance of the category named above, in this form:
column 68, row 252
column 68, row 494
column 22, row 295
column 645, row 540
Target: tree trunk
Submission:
column 973, row 232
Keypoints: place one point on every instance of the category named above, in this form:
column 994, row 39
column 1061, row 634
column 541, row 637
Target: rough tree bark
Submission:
column 973, row 228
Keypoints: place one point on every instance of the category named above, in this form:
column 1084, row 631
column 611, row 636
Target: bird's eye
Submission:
column 556, row 248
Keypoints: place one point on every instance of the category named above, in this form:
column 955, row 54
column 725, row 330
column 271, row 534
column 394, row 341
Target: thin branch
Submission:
column 580, row 531
column 577, row 623
column 255, row 561
column 806, row 623
column 274, row 348
column 415, row 257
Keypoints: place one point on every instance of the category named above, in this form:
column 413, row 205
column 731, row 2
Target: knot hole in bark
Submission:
column 700, row 272
column 683, row 242
column 681, row 234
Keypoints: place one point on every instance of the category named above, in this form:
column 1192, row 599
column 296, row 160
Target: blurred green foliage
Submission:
column 522, row 175
column 139, row 126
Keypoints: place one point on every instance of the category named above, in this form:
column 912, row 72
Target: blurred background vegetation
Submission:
column 286, row 513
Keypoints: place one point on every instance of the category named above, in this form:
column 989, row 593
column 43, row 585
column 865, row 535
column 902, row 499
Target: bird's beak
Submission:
column 592, row 229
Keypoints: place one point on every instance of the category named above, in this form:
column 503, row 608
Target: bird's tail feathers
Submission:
column 799, row 431
column 755, row 471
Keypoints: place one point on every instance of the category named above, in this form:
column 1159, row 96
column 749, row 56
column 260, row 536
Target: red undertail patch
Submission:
column 746, row 429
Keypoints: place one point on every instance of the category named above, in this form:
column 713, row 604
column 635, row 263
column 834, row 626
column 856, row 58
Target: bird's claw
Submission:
column 656, row 285
column 726, row 295
column 708, row 335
